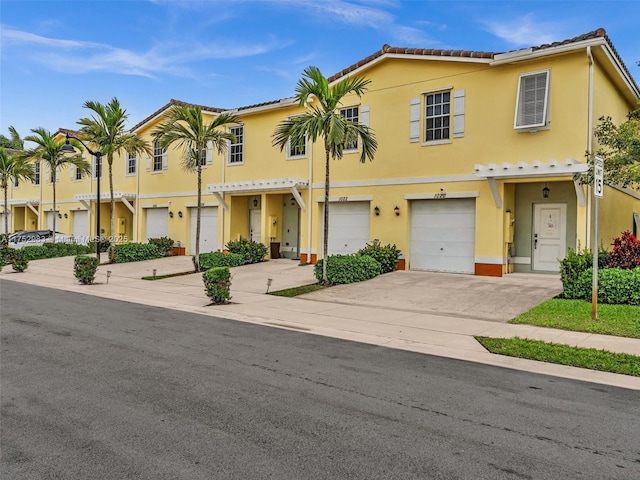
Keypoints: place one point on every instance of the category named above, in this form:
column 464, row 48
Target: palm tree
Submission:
column 322, row 119
column 12, row 169
column 15, row 142
column 186, row 127
column 48, row 149
column 106, row 129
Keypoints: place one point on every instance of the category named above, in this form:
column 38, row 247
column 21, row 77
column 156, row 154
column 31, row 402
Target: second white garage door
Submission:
column 443, row 235
column 157, row 223
column 81, row 226
column 208, row 229
column 348, row 227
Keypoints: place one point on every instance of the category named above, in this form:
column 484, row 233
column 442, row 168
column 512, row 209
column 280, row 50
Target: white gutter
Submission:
column 589, row 142
column 512, row 57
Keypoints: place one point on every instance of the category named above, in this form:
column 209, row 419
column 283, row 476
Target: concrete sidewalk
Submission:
column 384, row 323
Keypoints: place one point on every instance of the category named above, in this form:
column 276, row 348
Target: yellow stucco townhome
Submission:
column 474, row 171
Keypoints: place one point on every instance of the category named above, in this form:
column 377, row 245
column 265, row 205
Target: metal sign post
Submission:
column 598, row 190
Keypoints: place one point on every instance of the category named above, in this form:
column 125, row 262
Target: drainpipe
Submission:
column 137, row 214
column 590, row 145
column 220, row 207
column 309, row 205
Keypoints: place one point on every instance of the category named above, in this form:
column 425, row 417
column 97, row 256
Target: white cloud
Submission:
column 525, row 31
column 166, row 58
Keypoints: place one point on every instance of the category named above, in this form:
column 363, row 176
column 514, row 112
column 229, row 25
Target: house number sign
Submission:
column 439, row 196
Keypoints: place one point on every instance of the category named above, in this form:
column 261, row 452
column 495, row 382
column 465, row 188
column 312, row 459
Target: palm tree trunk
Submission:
column 112, row 224
column 6, row 209
column 196, row 258
column 53, row 183
column 325, row 246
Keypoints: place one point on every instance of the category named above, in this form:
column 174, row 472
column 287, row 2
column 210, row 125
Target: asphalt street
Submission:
column 99, row 389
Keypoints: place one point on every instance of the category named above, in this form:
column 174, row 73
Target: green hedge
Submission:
column 252, row 252
column 19, row 261
column 615, row 286
column 348, row 269
column 6, row 255
column 133, row 252
column 53, row 250
column 574, row 265
column 386, row 255
column 220, row 259
column 164, row 245
column 84, row 269
column 217, row 284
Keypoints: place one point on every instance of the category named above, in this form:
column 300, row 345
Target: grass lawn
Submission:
column 295, row 291
column 618, row 320
column 590, row 358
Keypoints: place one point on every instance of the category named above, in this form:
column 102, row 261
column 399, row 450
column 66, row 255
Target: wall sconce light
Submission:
column 180, row 213
column 545, row 191
column 396, row 211
column 59, row 215
column 66, row 215
column 293, row 201
column 376, row 211
column 170, row 214
column 255, row 202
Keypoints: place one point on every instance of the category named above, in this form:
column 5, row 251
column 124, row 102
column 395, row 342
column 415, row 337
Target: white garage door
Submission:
column 348, row 227
column 208, row 229
column 443, row 235
column 157, row 222
column 81, row 226
column 2, row 229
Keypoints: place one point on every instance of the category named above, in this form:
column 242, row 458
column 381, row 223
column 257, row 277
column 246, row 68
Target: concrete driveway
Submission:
column 468, row 296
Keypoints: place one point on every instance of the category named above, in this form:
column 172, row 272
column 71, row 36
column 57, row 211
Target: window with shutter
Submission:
column 533, row 100
column 437, row 116
column 236, row 149
column 351, row 113
column 157, row 157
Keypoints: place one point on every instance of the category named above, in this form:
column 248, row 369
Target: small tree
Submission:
column 323, row 120
column 12, row 169
column 48, row 150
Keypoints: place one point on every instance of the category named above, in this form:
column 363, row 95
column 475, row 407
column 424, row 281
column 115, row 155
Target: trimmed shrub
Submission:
column 104, row 245
column 19, row 261
column 252, row 252
column 348, row 269
column 4, row 239
column 573, row 266
column 625, row 252
column 6, row 255
column 219, row 259
column 53, row 250
column 84, row 269
column 217, row 284
column 615, row 285
column 133, row 252
column 164, row 245
column 387, row 256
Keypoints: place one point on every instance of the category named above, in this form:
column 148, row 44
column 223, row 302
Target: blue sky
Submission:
column 55, row 55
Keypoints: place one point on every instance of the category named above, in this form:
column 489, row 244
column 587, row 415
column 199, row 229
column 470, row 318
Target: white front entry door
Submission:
column 255, row 225
column 549, row 236
column 208, row 229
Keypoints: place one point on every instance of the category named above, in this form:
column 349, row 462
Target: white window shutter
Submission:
column 165, row 160
column 209, row 152
column 364, row 115
column 458, row 113
column 72, row 172
column 414, row 120
column 57, row 174
column 148, row 162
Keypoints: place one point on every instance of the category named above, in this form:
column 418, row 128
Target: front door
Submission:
column 255, row 224
column 549, row 236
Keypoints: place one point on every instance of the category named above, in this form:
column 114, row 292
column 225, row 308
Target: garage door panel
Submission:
column 157, row 223
column 349, row 227
column 442, row 235
column 81, row 226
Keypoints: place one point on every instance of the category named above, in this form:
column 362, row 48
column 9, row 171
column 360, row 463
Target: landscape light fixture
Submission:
column 68, row 148
column 545, row 191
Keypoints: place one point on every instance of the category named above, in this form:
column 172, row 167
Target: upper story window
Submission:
column 437, row 116
column 132, row 162
column 533, row 100
column 16, row 182
column 236, row 149
column 158, row 153
column 36, row 171
column 297, row 151
column 203, row 157
column 78, row 174
column 350, row 113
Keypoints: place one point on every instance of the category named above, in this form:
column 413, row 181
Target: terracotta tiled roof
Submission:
column 66, row 131
column 171, row 103
column 599, row 33
column 263, row 104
